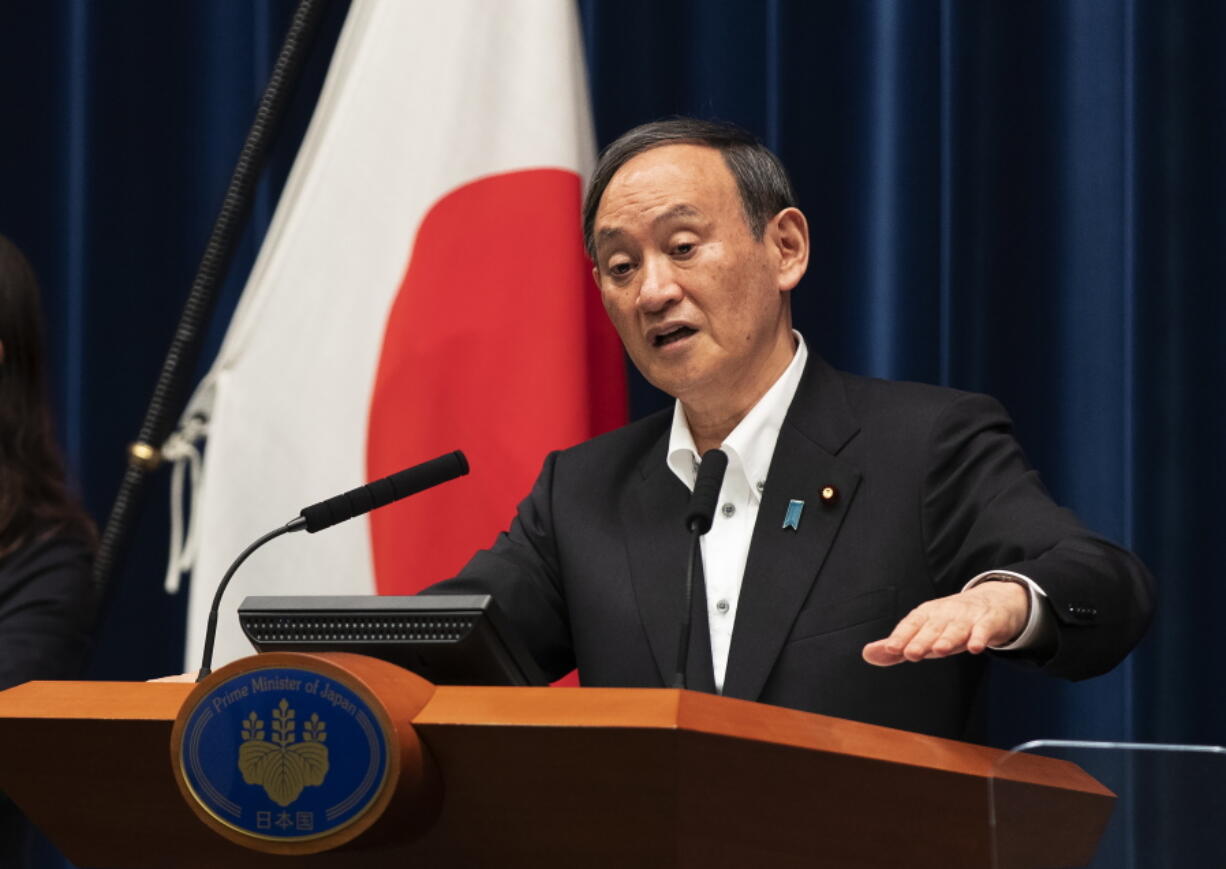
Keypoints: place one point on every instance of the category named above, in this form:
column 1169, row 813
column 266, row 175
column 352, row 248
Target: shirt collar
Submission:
column 751, row 444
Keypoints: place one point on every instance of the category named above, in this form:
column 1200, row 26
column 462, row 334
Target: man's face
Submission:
column 699, row 303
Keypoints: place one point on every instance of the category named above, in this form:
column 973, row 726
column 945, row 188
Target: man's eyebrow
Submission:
column 607, row 233
column 679, row 210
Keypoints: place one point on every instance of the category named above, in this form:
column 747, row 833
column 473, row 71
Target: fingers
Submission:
column 913, row 639
column 958, row 636
column 971, row 621
column 889, row 651
column 984, row 634
column 180, row 677
column 877, row 654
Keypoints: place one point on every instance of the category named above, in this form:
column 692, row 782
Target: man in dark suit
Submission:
column 848, row 502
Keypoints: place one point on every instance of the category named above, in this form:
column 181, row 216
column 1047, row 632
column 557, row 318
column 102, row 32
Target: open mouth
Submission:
column 673, row 336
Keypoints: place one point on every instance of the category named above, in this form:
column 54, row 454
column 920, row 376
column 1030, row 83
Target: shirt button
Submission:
column 722, row 606
column 761, row 485
column 728, row 509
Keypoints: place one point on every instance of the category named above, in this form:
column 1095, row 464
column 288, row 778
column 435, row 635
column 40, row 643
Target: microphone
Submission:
column 325, row 514
column 380, row 493
column 706, row 491
column 698, row 521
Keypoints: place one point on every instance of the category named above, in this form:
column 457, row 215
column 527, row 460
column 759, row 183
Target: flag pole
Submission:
column 165, row 405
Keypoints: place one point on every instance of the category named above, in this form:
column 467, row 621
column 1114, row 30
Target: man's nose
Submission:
column 659, row 287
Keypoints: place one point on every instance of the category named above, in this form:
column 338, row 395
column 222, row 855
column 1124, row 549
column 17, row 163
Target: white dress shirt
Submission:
column 725, row 548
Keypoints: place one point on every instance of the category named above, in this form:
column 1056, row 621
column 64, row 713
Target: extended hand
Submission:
column 179, row 677
column 990, row 614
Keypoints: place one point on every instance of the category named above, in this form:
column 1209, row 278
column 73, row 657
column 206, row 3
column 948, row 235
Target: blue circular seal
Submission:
column 284, row 754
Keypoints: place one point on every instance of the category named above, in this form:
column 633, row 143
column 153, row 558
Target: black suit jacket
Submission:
column 932, row 489
column 46, row 616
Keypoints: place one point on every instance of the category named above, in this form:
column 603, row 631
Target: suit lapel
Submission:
column 658, row 547
column 784, row 563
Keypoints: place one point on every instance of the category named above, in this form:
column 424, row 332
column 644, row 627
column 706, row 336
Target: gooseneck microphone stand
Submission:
column 698, row 521
column 166, row 403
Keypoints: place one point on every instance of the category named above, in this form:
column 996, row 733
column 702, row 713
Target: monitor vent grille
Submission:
column 358, row 628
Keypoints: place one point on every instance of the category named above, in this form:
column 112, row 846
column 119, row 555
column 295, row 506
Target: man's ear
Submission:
column 788, row 233
column 596, row 276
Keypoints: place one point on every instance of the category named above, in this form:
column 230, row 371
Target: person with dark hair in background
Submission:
column 46, row 539
column 873, row 538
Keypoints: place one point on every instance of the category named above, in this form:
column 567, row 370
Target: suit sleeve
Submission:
column 984, row 508
column 46, row 612
column 521, row 572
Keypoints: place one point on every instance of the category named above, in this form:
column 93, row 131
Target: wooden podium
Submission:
column 552, row 777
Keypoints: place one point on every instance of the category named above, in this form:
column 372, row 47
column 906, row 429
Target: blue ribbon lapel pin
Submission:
column 791, row 519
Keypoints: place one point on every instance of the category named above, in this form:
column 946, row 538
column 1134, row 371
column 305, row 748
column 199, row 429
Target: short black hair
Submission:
column 760, row 177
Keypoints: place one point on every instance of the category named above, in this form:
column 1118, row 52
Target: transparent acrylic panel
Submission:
column 1108, row 805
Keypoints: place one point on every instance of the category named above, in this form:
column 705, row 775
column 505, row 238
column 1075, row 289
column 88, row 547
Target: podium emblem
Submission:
column 283, row 753
column 282, row 765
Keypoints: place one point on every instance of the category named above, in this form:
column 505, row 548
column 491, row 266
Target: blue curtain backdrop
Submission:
column 121, row 123
column 1020, row 198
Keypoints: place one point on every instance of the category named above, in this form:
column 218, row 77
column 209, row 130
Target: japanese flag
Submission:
column 423, row 288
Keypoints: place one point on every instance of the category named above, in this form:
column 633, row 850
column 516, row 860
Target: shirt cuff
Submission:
column 1038, row 612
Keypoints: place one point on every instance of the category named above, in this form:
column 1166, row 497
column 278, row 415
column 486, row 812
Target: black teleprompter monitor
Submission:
column 449, row 639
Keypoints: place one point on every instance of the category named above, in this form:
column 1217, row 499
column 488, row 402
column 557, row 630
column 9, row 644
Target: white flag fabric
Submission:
column 422, row 289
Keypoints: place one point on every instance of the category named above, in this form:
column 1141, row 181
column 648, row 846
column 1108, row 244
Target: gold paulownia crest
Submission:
column 283, row 765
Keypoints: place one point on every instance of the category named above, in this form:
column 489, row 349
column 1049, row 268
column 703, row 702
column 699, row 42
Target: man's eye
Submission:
column 619, row 270
column 683, row 249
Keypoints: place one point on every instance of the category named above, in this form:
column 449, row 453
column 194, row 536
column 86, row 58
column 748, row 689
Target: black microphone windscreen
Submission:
column 382, row 492
column 706, row 491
